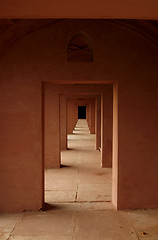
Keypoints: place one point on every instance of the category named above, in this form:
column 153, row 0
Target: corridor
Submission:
column 81, row 178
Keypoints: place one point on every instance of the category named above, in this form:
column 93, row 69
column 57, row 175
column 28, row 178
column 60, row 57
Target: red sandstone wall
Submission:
column 41, row 56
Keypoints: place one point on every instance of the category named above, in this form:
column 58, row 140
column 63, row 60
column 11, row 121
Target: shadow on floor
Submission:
column 48, row 206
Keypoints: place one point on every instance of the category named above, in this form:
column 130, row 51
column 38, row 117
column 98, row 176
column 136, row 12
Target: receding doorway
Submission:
column 78, row 174
column 81, row 112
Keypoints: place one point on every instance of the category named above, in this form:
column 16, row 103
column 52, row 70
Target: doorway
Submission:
column 81, row 112
column 52, row 96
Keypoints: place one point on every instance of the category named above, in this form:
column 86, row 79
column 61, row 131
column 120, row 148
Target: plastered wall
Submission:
column 119, row 55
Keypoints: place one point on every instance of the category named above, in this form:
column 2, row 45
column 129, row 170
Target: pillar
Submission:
column 63, row 123
column 98, row 121
column 52, row 133
column 115, row 146
column 70, row 113
column 92, row 104
column 106, row 127
column 75, row 117
column 136, row 157
column 89, row 116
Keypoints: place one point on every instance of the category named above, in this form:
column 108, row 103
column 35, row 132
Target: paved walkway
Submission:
column 79, row 204
column 81, row 179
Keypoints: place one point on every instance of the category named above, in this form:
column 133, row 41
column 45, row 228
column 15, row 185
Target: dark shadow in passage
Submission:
column 81, row 112
column 64, row 166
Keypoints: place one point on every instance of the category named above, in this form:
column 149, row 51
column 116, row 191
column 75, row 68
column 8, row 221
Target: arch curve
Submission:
column 80, row 49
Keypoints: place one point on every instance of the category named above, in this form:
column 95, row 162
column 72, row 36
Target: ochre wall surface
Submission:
column 119, row 55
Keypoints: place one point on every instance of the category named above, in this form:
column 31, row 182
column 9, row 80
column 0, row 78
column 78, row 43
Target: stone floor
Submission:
column 81, row 179
column 79, row 204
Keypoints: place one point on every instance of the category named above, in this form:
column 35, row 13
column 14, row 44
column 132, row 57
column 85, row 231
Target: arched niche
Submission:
column 79, row 49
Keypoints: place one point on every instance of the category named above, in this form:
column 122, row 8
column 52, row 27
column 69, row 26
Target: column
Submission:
column 106, row 126
column 52, row 133
column 98, row 121
column 63, row 123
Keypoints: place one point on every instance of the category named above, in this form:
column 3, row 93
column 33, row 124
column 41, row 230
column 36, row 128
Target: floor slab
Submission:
column 94, row 192
column 60, row 196
column 8, row 223
column 46, row 223
column 105, row 225
column 145, row 223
